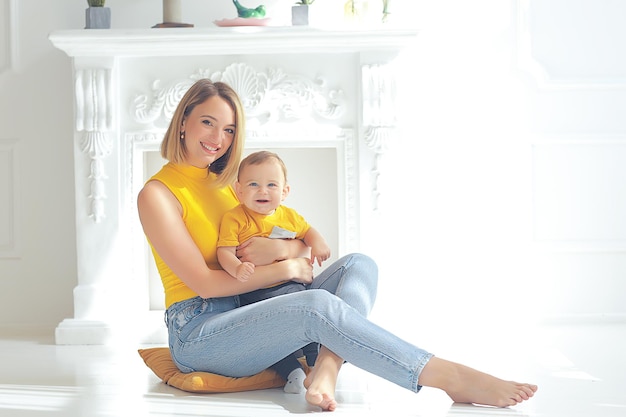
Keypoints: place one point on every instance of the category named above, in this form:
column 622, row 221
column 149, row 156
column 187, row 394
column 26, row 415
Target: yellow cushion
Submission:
column 160, row 362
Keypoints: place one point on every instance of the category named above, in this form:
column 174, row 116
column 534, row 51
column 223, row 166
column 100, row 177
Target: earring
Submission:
column 182, row 135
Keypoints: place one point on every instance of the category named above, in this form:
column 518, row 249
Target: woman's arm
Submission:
column 265, row 251
column 161, row 217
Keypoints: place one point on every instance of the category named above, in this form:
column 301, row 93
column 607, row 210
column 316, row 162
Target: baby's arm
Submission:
column 228, row 259
column 319, row 248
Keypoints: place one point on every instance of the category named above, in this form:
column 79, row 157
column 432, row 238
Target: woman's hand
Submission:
column 265, row 251
column 299, row 270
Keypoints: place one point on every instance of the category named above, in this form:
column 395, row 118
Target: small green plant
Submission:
column 96, row 3
column 305, row 2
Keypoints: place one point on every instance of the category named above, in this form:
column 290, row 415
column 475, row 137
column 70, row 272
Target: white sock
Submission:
column 295, row 381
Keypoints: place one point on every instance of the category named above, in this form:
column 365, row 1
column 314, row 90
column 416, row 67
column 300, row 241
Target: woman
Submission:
column 180, row 209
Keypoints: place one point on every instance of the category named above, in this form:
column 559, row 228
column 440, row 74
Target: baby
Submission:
column 262, row 187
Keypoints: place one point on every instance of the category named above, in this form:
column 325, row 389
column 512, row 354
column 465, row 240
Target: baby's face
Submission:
column 262, row 188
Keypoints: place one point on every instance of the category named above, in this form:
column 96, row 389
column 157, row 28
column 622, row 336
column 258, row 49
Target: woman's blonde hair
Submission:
column 173, row 148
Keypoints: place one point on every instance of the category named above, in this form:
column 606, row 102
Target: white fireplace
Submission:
column 324, row 99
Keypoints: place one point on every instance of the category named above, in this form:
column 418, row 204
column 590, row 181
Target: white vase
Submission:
column 300, row 15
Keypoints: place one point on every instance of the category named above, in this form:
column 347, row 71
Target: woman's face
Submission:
column 209, row 131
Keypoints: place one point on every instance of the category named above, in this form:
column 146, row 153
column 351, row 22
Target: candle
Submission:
column 172, row 11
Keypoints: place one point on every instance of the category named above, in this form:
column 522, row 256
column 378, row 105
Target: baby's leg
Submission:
column 290, row 369
column 310, row 352
column 467, row 385
column 295, row 381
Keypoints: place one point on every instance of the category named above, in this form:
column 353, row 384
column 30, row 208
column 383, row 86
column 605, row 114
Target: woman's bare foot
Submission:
column 467, row 385
column 320, row 383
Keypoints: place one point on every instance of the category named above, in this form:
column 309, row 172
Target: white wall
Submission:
column 514, row 178
column 509, row 173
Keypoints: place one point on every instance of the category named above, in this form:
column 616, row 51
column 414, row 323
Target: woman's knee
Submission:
column 361, row 288
column 317, row 299
column 366, row 267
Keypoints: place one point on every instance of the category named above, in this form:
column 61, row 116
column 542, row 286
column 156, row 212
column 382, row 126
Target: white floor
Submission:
column 580, row 370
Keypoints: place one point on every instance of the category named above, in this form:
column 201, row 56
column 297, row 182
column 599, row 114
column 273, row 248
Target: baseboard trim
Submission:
column 593, row 318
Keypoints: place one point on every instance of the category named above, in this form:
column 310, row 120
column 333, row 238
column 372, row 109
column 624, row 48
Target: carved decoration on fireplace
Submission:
column 379, row 116
column 268, row 96
column 94, row 120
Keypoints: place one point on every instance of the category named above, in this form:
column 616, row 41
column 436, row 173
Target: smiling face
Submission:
column 262, row 187
column 209, row 131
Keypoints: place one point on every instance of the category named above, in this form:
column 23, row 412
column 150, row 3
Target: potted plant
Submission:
column 97, row 16
column 386, row 11
column 300, row 13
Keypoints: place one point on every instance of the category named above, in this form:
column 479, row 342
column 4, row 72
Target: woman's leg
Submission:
column 353, row 278
column 246, row 340
column 321, row 382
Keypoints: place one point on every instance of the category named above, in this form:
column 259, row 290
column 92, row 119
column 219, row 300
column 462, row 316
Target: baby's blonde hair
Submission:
column 259, row 157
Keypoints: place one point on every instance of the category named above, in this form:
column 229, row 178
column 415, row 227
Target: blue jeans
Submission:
column 219, row 336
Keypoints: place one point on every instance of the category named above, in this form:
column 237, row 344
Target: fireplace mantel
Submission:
column 227, row 41
column 303, row 89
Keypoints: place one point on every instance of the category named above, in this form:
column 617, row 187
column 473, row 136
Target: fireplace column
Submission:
column 100, row 237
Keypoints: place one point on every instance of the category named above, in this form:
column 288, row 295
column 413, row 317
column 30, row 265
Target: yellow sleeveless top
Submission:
column 203, row 208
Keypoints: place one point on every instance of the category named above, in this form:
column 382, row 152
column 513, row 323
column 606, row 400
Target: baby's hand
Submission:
column 320, row 253
column 245, row 271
